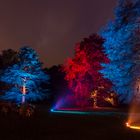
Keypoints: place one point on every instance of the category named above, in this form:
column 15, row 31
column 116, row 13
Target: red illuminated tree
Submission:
column 82, row 71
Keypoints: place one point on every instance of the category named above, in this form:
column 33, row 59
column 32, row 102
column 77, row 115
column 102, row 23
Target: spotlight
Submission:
column 132, row 126
column 52, row 110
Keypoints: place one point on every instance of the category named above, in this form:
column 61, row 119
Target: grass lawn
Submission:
column 44, row 125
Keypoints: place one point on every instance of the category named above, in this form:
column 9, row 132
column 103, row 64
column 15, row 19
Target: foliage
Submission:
column 8, row 58
column 122, row 47
column 28, row 68
column 82, row 71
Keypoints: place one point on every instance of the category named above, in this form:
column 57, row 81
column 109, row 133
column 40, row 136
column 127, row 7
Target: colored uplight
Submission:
column 23, row 99
column 132, row 126
column 80, row 112
column 70, row 112
column 52, row 110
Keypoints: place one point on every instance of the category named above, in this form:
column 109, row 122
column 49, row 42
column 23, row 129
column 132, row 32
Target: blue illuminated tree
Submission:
column 122, row 46
column 25, row 78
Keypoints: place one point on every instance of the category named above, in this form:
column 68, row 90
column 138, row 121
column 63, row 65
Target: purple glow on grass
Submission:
column 64, row 102
column 59, row 103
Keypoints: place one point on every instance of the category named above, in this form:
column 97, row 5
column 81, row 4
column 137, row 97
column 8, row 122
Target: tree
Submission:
column 8, row 58
column 122, row 46
column 58, row 84
column 82, row 71
column 25, row 78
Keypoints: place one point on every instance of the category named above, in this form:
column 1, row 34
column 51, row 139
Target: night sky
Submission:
column 51, row 27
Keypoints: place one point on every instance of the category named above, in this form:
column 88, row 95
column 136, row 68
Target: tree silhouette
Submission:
column 8, row 58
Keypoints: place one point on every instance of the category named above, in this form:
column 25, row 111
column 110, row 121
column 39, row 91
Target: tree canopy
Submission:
column 122, row 47
column 27, row 72
column 83, row 71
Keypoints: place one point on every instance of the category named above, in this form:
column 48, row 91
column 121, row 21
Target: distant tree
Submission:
column 58, row 84
column 83, row 71
column 25, row 78
column 8, row 58
column 122, row 46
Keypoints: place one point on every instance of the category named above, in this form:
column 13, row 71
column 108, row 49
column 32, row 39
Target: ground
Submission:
column 44, row 125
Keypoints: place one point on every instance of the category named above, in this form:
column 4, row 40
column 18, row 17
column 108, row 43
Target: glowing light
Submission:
column 24, row 90
column 110, row 100
column 24, row 86
column 52, row 110
column 70, row 112
column 132, row 126
column 23, row 99
column 80, row 112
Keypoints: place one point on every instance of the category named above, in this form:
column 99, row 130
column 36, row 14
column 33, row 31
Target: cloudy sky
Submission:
column 51, row 27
